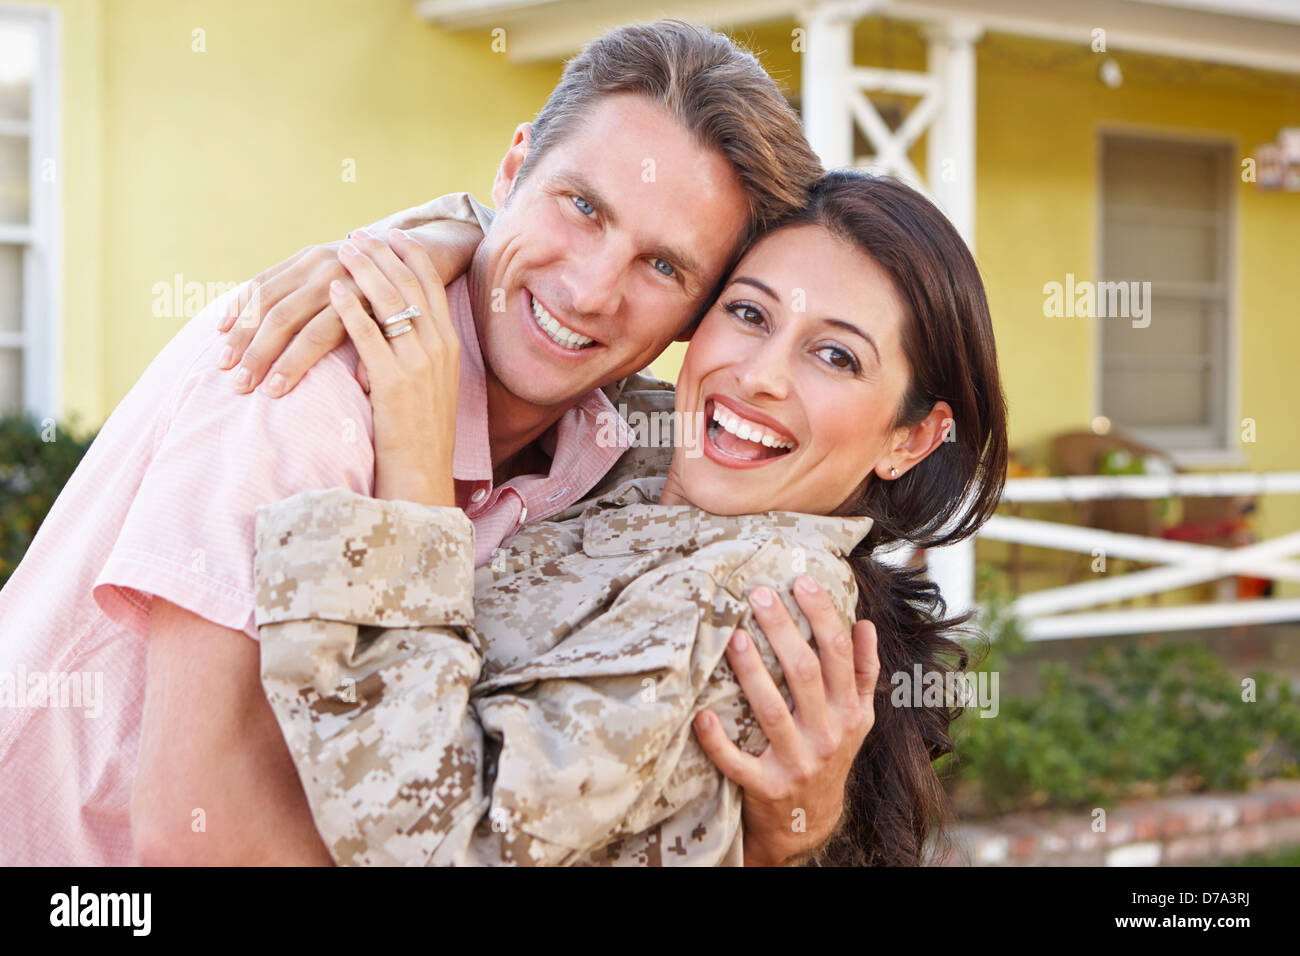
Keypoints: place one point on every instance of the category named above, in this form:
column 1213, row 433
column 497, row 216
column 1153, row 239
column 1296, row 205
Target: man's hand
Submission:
column 283, row 322
column 794, row 792
column 215, row 784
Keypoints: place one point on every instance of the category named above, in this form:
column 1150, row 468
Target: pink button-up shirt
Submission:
column 164, row 505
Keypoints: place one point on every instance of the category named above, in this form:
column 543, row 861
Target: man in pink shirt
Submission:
column 141, row 577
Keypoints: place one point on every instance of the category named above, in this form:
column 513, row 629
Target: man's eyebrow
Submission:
column 579, row 184
column 837, row 323
column 679, row 258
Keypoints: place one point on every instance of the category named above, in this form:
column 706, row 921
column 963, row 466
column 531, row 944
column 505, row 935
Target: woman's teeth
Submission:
column 557, row 332
column 747, row 430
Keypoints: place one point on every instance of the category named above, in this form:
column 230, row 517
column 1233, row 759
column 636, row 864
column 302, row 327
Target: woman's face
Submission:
column 795, row 375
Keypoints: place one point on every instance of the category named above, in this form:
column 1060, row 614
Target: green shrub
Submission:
column 35, row 462
column 1132, row 720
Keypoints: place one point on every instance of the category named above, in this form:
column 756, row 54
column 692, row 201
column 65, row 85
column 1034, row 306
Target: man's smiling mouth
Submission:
column 736, row 437
column 561, row 335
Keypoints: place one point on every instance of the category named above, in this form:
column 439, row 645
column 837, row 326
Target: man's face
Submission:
column 603, row 252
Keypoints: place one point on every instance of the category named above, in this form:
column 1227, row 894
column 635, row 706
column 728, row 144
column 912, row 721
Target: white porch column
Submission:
column 950, row 150
column 827, row 60
column 950, row 171
column 953, row 569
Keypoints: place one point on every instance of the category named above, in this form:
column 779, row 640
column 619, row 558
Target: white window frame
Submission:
column 1226, row 450
column 41, row 336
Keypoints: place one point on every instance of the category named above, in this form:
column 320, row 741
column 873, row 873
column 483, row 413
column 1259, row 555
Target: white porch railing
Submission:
column 1183, row 563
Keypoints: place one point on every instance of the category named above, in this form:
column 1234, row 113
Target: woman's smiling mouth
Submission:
column 735, row 440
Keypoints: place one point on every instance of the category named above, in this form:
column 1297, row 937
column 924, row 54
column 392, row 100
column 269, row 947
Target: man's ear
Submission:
column 511, row 163
column 917, row 442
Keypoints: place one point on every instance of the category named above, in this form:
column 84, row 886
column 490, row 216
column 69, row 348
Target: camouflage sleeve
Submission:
column 584, row 754
column 598, row 750
column 598, row 754
column 365, row 612
column 598, row 762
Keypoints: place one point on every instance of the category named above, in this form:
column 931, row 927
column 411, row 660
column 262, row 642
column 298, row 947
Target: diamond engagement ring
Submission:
column 410, row 312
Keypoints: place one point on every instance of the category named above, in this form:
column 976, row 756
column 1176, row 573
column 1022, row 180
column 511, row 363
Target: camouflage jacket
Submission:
column 537, row 711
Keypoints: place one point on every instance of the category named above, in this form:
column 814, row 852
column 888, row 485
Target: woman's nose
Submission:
column 766, row 371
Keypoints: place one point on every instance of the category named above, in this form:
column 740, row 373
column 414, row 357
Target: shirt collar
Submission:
column 626, row 520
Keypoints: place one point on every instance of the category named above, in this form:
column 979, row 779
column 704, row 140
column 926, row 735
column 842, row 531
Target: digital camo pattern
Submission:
column 549, row 723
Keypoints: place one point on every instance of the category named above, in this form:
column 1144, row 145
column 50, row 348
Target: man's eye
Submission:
column 664, row 266
column 584, row 207
column 840, row 358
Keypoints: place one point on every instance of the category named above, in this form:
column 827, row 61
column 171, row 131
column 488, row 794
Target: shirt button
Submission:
column 478, row 496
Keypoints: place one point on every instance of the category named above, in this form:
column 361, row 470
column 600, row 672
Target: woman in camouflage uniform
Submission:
column 541, row 710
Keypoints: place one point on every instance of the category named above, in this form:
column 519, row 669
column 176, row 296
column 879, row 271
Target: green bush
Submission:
column 36, row 460
column 1132, row 720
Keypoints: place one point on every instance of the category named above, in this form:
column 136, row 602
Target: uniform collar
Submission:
column 627, row 520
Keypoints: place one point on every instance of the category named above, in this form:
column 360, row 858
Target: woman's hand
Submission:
column 415, row 375
column 794, row 791
column 284, row 320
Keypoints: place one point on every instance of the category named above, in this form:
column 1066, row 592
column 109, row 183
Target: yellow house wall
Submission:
column 214, row 165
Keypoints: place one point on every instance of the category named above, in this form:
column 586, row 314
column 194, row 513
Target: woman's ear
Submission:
column 913, row 444
column 511, row 163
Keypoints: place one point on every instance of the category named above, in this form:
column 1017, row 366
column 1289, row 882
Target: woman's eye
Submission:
column 746, row 313
column 584, row 207
column 838, row 357
column 665, row 267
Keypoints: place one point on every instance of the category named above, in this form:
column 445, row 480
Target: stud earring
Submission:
column 893, row 473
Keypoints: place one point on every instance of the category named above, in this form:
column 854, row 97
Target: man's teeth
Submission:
column 747, row 430
column 558, row 333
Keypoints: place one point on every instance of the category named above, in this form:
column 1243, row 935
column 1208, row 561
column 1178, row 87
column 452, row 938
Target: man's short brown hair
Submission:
column 717, row 89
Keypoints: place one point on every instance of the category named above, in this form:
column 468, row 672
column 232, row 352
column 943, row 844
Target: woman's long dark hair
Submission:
column 896, row 808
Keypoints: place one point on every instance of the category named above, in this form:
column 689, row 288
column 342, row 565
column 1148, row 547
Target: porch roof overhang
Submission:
column 1262, row 34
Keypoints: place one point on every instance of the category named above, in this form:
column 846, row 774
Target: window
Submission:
column 1165, row 220
column 28, row 184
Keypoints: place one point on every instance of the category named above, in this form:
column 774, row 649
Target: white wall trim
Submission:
column 42, row 309
column 1259, row 34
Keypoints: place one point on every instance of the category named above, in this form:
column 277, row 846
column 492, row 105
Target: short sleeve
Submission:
column 189, row 534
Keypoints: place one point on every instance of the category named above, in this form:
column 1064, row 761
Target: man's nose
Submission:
column 594, row 279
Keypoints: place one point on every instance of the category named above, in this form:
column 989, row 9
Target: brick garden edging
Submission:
column 1164, row 830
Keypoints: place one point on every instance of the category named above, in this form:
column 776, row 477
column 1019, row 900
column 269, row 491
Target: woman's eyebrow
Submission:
column 760, row 286
column 850, row 327
column 838, row 323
